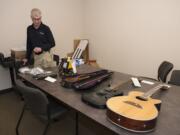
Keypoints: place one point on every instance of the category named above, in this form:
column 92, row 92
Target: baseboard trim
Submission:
column 6, row 90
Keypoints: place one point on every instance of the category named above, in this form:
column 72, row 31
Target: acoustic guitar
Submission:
column 136, row 112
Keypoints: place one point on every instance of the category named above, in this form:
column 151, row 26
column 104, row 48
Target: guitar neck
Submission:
column 115, row 86
column 152, row 91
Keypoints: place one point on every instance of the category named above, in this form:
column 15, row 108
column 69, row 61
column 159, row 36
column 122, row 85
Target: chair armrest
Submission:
column 174, row 83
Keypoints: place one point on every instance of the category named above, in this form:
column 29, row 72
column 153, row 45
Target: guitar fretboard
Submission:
column 152, row 91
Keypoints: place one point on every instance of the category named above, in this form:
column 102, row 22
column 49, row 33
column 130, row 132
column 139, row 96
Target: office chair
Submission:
column 175, row 78
column 56, row 59
column 6, row 62
column 163, row 71
column 1, row 57
column 37, row 102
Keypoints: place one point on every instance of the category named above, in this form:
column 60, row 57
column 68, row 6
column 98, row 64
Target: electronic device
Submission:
column 135, row 82
column 44, row 75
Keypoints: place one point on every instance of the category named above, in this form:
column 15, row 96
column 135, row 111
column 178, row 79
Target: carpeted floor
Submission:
column 11, row 106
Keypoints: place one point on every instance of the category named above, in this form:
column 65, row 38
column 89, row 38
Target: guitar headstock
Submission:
column 165, row 86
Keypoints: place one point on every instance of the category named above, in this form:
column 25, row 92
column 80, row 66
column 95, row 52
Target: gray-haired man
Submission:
column 40, row 40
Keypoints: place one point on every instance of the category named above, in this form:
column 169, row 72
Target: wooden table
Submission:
column 168, row 122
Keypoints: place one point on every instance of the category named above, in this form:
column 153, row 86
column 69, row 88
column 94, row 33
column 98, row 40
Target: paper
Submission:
column 24, row 70
column 136, row 82
column 147, row 82
column 36, row 70
column 50, row 79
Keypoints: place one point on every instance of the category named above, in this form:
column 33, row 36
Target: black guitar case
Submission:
column 98, row 98
column 77, row 81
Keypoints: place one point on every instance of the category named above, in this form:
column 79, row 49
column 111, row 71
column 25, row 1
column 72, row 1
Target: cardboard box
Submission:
column 93, row 63
column 85, row 53
column 18, row 53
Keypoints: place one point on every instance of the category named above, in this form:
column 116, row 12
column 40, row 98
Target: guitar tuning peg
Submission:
column 110, row 83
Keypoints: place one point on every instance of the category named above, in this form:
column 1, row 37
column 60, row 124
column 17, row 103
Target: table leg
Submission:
column 77, row 121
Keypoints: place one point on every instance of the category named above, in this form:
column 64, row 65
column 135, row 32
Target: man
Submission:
column 39, row 42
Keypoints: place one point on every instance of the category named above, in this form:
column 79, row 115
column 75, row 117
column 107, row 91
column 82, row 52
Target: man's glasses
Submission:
column 36, row 19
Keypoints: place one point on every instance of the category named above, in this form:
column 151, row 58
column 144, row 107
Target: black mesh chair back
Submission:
column 56, row 59
column 164, row 70
column 34, row 99
column 38, row 103
column 175, row 78
column 1, row 57
column 6, row 62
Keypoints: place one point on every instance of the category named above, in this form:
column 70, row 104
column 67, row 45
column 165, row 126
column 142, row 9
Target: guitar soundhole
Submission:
column 141, row 98
column 133, row 104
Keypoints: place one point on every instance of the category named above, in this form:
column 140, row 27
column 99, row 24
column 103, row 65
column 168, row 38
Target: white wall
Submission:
column 133, row 36
column 65, row 18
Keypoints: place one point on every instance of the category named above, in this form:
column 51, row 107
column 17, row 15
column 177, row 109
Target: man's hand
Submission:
column 24, row 61
column 37, row 50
